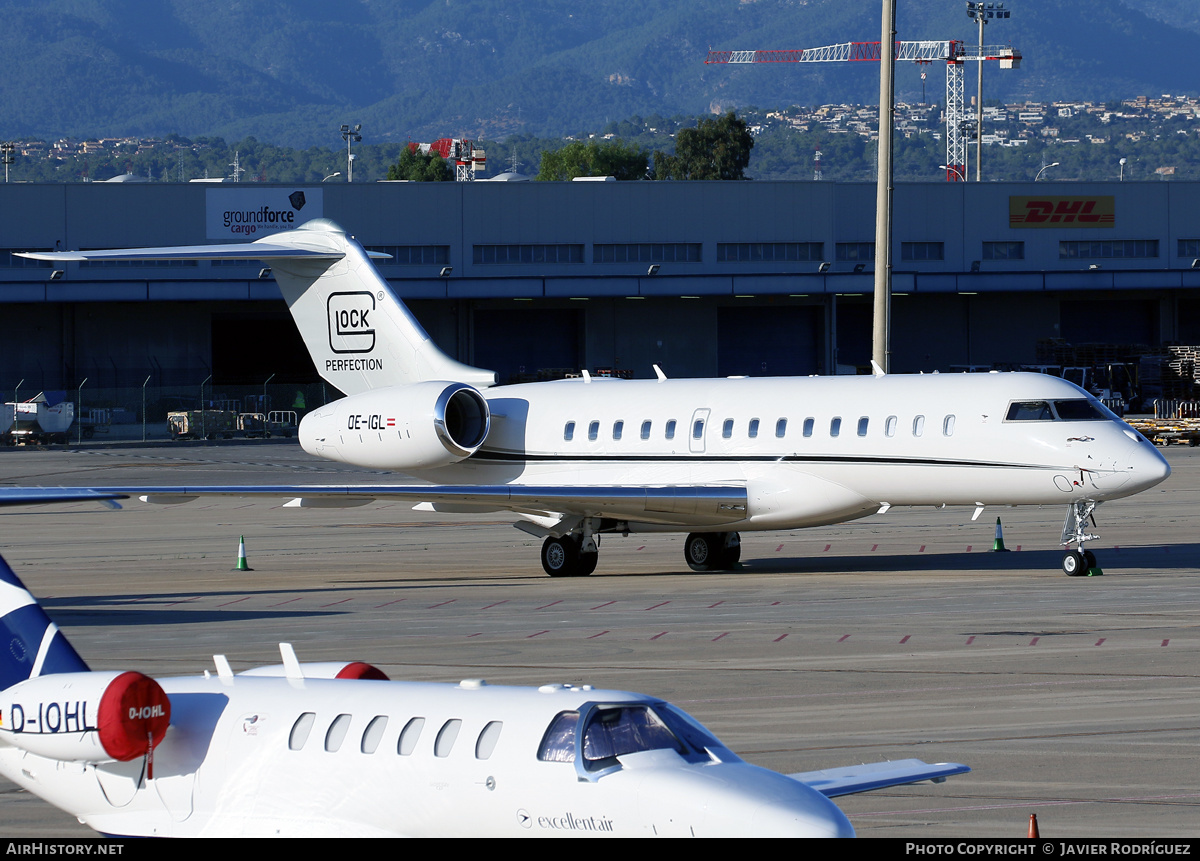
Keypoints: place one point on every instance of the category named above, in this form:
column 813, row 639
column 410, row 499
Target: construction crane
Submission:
column 955, row 54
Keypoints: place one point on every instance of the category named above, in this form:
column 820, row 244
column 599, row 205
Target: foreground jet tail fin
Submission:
column 357, row 331
column 33, row 645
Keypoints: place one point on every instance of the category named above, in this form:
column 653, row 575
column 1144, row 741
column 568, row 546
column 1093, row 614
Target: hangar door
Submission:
column 517, row 343
column 769, row 341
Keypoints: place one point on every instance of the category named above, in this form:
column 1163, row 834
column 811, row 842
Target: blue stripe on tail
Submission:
column 30, row 644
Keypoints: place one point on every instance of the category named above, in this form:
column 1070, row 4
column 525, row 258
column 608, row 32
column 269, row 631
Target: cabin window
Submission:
column 671, row 429
column 698, row 429
column 618, row 429
column 569, row 431
column 889, row 426
column 835, row 426
column 918, row 425
column 727, row 429
column 373, row 733
column 646, row 429
column 336, row 733
column 862, row 426
column 948, row 426
column 407, row 742
column 753, row 430
column 809, row 425
column 593, row 431
column 780, row 428
column 300, row 730
column 486, row 742
column 446, row 737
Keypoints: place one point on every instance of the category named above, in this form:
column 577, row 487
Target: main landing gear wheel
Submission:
column 562, row 557
column 712, row 551
column 1077, row 564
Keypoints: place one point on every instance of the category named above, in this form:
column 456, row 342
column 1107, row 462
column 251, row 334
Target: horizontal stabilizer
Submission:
column 851, row 779
column 239, row 251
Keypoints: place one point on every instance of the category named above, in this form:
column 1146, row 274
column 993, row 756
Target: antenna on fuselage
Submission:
column 658, row 372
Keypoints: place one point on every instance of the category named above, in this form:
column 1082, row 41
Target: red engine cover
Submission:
column 133, row 717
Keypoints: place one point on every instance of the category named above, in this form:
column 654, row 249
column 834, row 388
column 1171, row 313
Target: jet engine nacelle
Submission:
column 422, row 426
column 85, row 717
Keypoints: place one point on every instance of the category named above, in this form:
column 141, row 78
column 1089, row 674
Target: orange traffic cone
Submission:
column 1033, row 829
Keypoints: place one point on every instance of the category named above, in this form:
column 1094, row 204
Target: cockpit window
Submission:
column 613, row 731
column 1029, row 411
column 1081, row 410
column 1074, row 410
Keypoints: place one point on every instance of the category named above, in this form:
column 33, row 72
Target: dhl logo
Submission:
column 1097, row 211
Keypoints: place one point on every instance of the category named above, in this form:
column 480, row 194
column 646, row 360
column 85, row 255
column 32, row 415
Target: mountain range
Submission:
column 292, row 71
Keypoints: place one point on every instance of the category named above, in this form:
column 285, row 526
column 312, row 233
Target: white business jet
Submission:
column 336, row 750
column 575, row 459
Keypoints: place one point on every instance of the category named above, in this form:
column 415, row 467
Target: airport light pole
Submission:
column 1044, row 169
column 982, row 13
column 351, row 136
column 957, row 172
column 882, row 310
column 79, row 412
column 148, row 376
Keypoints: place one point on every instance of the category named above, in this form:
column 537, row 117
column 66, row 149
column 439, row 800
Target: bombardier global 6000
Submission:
column 577, row 459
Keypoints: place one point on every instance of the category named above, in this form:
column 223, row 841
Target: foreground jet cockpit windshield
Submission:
column 335, row 750
column 575, row 459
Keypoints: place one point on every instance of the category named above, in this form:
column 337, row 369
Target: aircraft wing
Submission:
column 851, row 779
column 662, row 504
column 235, row 251
column 36, row 495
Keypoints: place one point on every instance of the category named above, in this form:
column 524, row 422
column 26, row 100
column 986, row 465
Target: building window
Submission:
column 647, row 252
column 1106, row 249
column 922, row 251
column 769, row 252
column 413, row 255
column 528, row 254
column 1003, row 251
column 136, row 264
column 853, row 252
column 1187, row 248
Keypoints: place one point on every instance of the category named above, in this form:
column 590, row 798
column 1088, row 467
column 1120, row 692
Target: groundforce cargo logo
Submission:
column 250, row 221
column 350, row 329
column 1099, row 211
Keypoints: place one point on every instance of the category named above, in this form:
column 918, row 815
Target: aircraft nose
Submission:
column 1146, row 463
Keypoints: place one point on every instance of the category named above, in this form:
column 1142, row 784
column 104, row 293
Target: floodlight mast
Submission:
column 351, row 136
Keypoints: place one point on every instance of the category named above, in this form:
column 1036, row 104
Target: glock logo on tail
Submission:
column 350, row 329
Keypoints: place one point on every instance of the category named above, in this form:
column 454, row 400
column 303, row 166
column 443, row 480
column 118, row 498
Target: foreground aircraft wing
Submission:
column 716, row 504
column 36, row 495
column 851, row 779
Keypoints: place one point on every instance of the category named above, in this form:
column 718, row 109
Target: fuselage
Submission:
column 809, row 450
column 273, row 756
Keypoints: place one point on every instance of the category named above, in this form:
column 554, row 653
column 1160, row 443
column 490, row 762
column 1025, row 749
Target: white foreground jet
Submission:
column 713, row 457
column 336, row 750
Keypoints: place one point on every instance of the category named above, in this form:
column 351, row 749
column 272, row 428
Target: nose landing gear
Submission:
column 1079, row 562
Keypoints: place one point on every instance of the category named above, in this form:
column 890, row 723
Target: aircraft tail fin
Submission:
column 358, row 332
column 34, row 646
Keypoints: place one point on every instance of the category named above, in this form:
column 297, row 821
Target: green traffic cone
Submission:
column 998, row 544
column 241, row 562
